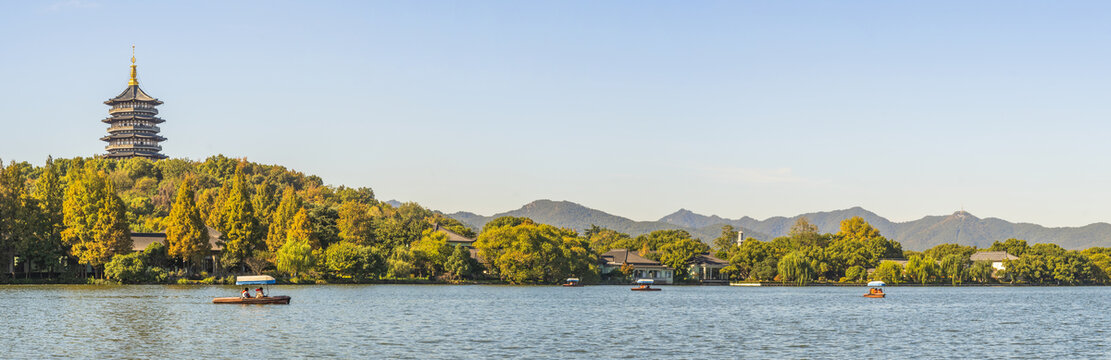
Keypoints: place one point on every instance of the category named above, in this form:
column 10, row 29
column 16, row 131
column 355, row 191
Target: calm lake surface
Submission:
column 440, row 321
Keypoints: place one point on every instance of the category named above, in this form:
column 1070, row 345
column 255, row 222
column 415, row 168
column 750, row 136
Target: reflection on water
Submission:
column 397, row 321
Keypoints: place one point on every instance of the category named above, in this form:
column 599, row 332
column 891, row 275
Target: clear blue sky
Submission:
column 637, row 108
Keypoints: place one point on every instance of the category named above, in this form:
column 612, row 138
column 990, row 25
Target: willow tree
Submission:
column 955, row 267
column 185, row 231
column 95, row 218
column 921, row 268
column 795, row 267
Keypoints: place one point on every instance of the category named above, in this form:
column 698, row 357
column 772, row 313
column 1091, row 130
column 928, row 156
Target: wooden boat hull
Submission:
column 260, row 301
column 874, row 295
column 644, row 289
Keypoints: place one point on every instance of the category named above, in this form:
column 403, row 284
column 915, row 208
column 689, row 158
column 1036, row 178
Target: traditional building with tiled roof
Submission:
column 706, row 269
column 643, row 268
column 997, row 258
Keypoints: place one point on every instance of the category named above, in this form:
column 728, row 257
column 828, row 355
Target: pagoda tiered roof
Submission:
column 133, row 93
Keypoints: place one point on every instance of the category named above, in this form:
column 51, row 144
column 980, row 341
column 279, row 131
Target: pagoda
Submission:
column 133, row 124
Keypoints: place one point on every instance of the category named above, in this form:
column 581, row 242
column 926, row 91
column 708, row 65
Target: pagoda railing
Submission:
column 133, row 146
column 132, row 109
column 121, row 128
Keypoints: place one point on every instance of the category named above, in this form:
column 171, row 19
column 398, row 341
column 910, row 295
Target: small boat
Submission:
column 573, row 282
column 744, row 284
column 253, row 280
column 645, row 285
column 261, row 300
column 876, row 290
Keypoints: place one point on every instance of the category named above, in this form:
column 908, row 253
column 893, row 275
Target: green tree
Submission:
column 726, row 241
column 346, row 259
column 921, row 269
column 521, row 251
column 460, row 265
column 981, row 271
column 49, row 193
column 888, row 271
column 185, row 231
column 296, row 256
column 240, row 226
column 1014, row 247
column 856, row 273
column 955, row 267
column 602, row 239
column 795, row 267
column 430, row 253
column 678, row 254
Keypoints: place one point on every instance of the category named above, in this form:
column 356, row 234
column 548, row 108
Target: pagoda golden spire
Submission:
column 133, row 81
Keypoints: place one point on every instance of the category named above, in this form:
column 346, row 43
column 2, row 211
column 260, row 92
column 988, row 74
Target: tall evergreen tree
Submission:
column 95, row 219
column 240, row 226
column 282, row 218
column 185, row 231
column 49, row 193
column 301, row 229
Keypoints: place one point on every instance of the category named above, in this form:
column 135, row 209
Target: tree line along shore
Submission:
column 73, row 221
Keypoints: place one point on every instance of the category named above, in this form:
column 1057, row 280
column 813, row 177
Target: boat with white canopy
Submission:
column 254, row 280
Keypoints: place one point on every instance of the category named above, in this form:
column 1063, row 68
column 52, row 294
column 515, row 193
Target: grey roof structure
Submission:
column 992, row 256
column 140, row 241
column 707, row 259
column 133, row 93
column 619, row 257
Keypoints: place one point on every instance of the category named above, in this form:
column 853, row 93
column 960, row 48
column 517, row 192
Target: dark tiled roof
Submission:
column 992, row 256
column 707, row 259
column 624, row 256
column 133, row 93
column 454, row 237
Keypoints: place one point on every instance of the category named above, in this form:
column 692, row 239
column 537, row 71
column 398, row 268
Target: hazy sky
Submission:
column 637, row 108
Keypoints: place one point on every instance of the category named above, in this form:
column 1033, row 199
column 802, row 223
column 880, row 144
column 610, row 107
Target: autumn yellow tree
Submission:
column 185, row 231
column 95, row 219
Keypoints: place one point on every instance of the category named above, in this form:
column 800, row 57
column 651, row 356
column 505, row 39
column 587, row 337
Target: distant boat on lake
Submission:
column 876, row 290
column 645, row 285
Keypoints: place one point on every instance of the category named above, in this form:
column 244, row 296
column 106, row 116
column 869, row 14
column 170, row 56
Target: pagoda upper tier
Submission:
column 133, row 130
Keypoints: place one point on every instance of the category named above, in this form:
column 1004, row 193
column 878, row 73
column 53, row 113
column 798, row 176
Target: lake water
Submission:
column 439, row 321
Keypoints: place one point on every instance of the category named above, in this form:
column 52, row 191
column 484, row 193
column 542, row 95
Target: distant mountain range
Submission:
column 960, row 227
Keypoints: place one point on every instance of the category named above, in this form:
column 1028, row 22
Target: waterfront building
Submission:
column 996, row 257
column 706, row 269
column 133, row 123
column 643, row 268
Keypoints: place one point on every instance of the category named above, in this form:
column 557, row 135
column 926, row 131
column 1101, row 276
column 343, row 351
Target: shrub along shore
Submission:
column 70, row 221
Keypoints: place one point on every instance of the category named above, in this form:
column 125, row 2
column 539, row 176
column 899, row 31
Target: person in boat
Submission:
column 259, row 294
column 246, row 293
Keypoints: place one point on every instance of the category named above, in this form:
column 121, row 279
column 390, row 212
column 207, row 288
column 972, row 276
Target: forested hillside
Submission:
column 81, row 210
